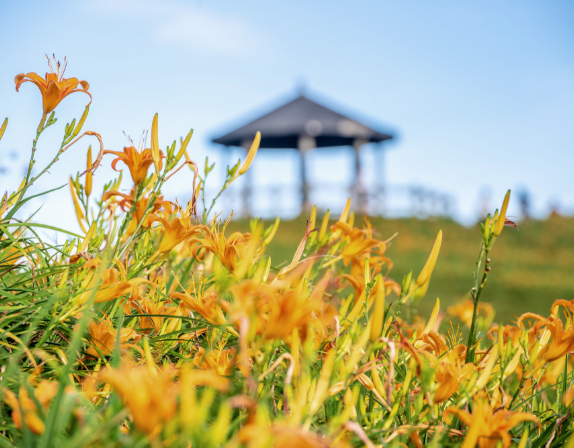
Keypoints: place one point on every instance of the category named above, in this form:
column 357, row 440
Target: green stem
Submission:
column 29, row 179
column 402, row 299
column 565, row 381
column 476, row 291
column 27, row 182
column 152, row 198
column 515, row 396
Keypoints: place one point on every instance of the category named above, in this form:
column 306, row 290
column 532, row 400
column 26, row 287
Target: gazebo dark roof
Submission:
column 283, row 127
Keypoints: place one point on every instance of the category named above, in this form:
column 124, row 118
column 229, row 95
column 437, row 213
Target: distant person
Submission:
column 524, row 200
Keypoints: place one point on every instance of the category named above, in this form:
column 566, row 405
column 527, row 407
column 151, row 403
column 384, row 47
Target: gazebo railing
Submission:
column 285, row 201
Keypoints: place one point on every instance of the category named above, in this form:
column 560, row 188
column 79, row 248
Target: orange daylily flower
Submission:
column 323, row 325
column 488, row 428
column 448, row 379
column 287, row 311
column 24, row 407
column 450, row 369
column 113, row 285
column 199, row 377
column 286, row 436
column 103, row 338
column 274, row 313
column 227, row 249
column 360, row 241
column 138, row 162
column 562, row 335
column 358, row 284
column 220, row 361
column 432, row 341
column 464, row 310
column 157, row 313
column 362, row 246
column 53, row 87
column 89, row 385
column 149, row 394
column 206, row 303
column 174, row 232
column 408, row 328
column 126, row 202
column 283, row 435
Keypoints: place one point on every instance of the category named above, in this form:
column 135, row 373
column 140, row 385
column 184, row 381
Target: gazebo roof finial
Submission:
column 301, row 86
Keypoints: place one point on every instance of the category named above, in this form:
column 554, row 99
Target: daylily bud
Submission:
column 79, row 213
column 429, row 266
column 511, row 367
column 485, row 374
column 272, row 233
column 88, row 186
column 524, row 438
column 117, row 182
column 155, row 145
column 350, row 402
column 14, row 196
column 406, row 281
column 312, row 223
column 267, row 269
column 80, row 124
column 187, row 159
column 172, row 325
column 367, row 272
column 502, row 217
column 379, row 310
column 171, row 150
column 433, row 318
column 346, row 210
column 422, row 290
column 486, row 230
column 351, row 219
column 3, row 127
column 218, row 430
column 188, row 399
column 313, row 217
column 69, row 128
column 342, row 219
column 324, row 225
column 88, row 237
column 500, row 338
column 250, row 154
column 322, row 388
column 377, row 380
column 183, row 148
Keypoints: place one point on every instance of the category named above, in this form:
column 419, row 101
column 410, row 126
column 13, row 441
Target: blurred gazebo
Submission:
column 303, row 124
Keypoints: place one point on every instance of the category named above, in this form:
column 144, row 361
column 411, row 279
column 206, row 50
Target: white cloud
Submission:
column 192, row 28
column 201, row 32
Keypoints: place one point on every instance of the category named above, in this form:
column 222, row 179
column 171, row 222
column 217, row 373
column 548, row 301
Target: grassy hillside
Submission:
column 531, row 267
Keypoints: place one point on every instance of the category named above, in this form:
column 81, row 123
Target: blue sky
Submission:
column 480, row 93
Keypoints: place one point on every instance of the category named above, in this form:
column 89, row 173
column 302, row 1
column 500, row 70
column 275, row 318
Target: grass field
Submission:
column 531, row 267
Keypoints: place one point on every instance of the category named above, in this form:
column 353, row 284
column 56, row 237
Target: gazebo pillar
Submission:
column 247, row 183
column 381, row 193
column 358, row 188
column 305, row 144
